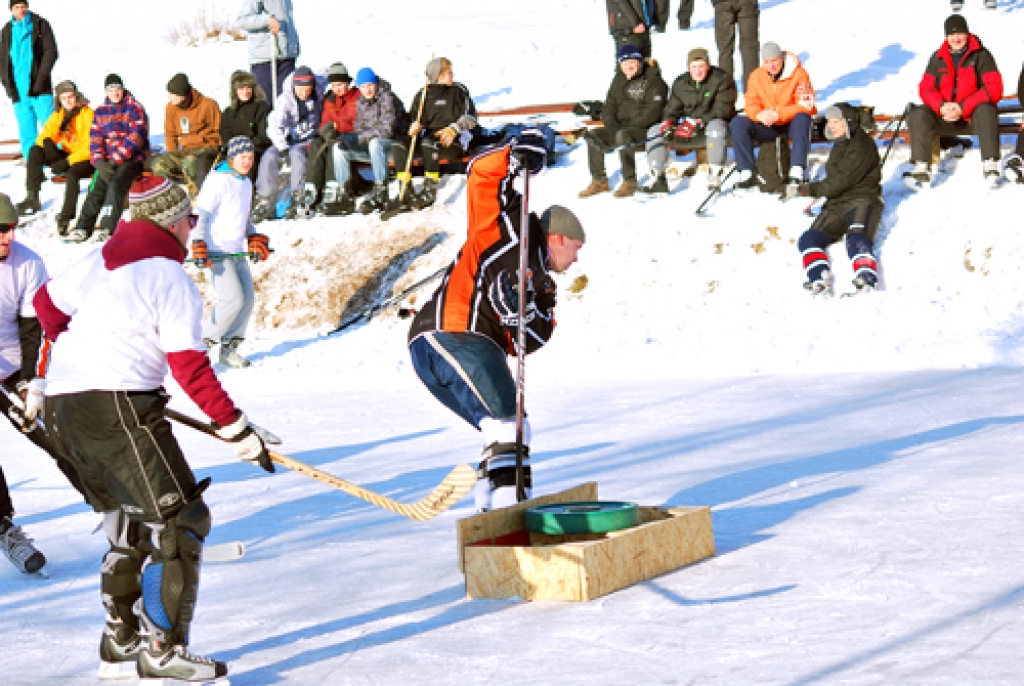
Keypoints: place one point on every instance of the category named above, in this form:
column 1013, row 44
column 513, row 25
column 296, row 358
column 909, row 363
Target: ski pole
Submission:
column 524, row 258
column 715, row 191
column 896, row 133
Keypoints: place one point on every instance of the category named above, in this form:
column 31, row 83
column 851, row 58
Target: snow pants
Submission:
column 858, row 220
column 603, row 140
column 31, row 114
column 232, row 284
column 745, row 131
column 431, row 152
column 263, row 72
column 349, row 150
column 744, row 14
column 48, row 155
column 108, row 194
column 714, row 137
column 134, row 471
column 194, row 164
column 40, row 439
column 923, row 123
column 270, row 169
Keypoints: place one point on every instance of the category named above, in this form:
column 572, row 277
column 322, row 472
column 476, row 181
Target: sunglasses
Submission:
column 5, row 228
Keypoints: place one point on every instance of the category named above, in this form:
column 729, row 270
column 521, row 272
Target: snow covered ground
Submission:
column 857, row 453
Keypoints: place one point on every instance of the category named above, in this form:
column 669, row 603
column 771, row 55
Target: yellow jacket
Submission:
column 75, row 140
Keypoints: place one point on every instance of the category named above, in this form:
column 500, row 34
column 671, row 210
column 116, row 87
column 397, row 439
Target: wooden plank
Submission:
column 670, row 539
column 531, row 573
column 488, row 525
column 554, row 108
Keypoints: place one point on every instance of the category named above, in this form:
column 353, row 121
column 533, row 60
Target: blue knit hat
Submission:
column 239, row 145
column 630, row 52
column 365, row 75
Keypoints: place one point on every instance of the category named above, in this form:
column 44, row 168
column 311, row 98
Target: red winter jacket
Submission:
column 975, row 81
column 341, row 111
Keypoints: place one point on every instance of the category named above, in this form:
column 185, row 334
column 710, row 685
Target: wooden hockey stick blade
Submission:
column 451, row 490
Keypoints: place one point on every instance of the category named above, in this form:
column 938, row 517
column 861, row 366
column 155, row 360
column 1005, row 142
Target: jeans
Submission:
column 349, row 149
column 745, row 131
column 270, row 169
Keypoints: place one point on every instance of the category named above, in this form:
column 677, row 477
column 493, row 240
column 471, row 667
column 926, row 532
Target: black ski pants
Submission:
column 47, row 155
column 37, row 436
column 745, row 15
column 430, row 151
column 858, row 221
column 602, row 140
column 923, row 123
column 108, row 194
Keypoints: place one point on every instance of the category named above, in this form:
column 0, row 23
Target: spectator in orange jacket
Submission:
column 63, row 146
column 960, row 89
column 191, row 135
column 779, row 102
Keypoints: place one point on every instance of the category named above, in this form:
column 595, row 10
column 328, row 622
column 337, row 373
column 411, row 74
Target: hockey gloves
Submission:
column 27, row 403
column 529, row 150
column 688, row 127
column 259, row 247
column 667, row 128
column 201, row 254
column 250, row 441
column 504, row 297
column 447, row 136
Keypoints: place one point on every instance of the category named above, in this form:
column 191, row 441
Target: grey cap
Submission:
column 435, row 67
column 834, row 112
column 8, row 215
column 338, row 72
column 560, row 220
column 770, row 51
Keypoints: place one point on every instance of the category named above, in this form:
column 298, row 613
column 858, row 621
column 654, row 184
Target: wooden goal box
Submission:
column 500, row 559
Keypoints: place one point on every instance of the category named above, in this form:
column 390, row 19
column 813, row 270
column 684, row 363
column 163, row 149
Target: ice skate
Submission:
column 19, row 549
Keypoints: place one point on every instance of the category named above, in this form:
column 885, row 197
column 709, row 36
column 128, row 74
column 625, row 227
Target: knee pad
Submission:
column 170, row 578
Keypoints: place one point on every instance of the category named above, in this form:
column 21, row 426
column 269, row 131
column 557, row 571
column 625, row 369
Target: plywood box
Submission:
column 502, row 560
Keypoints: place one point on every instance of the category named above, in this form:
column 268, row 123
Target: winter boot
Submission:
column 1013, row 170
column 338, row 200
column 19, row 549
column 746, row 181
column 626, row 189
column 376, row 201
column 659, row 186
column 262, row 210
column 991, row 170
column 796, row 175
column 865, row 283
column 297, row 207
column 229, row 354
column 101, row 235
column 920, row 177
column 957, row 5
column 119, row 650
column 62, row 226
column 426, row 196
column 596, row 186
column 30, row 205
column 990, row 4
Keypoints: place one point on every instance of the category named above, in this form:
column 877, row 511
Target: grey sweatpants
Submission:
column 715, row 138
column 270, row 169
column 232, row 284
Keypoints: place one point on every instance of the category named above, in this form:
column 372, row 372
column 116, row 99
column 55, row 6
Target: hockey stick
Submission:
column 458, row 483
column 715, row 191
column 896, row 133
column 407, row 177
column 369, row 312
column 17, row 412
column 524, row 258
column 223, row 256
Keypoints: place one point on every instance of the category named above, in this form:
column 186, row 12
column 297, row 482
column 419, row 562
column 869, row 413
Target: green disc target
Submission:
column 582, row 518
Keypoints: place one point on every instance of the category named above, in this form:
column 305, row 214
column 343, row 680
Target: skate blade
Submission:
column 118, row 671
column 41, row 574
column 164, row 681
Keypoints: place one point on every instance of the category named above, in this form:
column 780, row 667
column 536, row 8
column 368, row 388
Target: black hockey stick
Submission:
column 369, row 312
column 524, row 257
column 456, row 484
column 715, row 191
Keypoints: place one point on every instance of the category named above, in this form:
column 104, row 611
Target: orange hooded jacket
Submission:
column 790, row 95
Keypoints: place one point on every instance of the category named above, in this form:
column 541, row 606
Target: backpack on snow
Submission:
column 773, row 165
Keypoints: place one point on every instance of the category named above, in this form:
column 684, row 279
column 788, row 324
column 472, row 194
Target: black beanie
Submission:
column 113, row 80
column 179, row 85
column 956, row 23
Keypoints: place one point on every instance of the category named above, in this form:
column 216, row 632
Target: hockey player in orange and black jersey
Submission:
column 460, row 340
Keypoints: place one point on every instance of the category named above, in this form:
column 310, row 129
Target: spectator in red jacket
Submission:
column 338, row 117
column 961, row 89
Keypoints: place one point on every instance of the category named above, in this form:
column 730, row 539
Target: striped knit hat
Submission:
column 239, row 145
column 159, row 200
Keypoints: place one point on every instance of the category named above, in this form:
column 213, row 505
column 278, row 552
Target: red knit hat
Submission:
column 159, row 200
